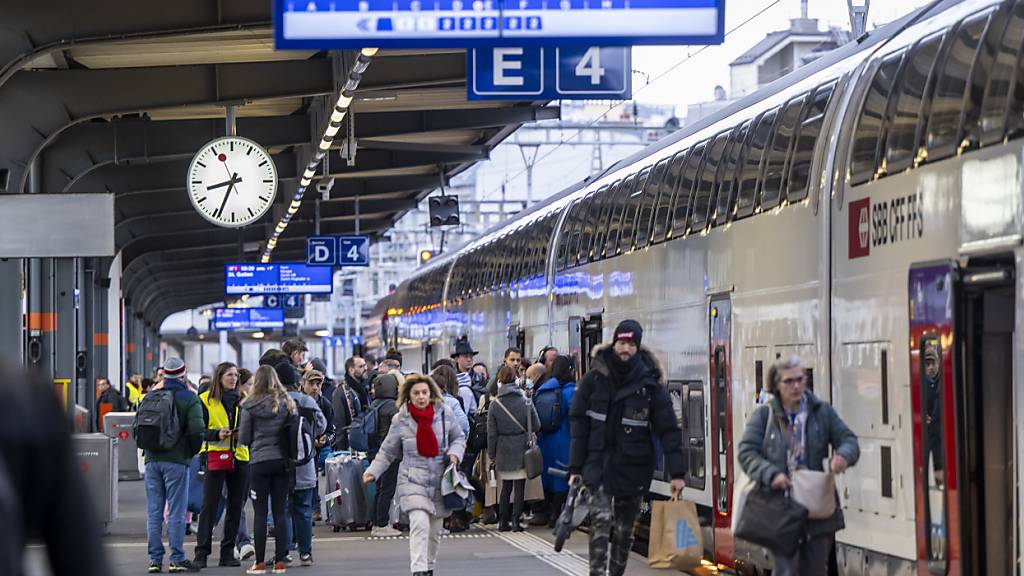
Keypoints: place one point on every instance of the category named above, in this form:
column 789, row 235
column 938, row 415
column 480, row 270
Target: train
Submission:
column 864, row 213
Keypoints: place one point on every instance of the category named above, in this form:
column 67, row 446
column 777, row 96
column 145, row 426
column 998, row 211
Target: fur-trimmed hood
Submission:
column 600, row 357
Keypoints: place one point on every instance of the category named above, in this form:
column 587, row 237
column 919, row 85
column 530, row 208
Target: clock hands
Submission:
column 230, row 184
column 234, row 180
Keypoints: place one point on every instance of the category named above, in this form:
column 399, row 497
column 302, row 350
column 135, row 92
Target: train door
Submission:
column 961, row 333
column 720, row 351
column 584, row 335
column 517, row 337
column 429, row 356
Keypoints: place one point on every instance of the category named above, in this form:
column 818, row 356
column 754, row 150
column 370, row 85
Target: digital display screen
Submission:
column 248, row 318
column 282, row 278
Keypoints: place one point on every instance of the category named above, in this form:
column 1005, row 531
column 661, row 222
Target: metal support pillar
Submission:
column 42, row 320
column 65, row 335
column 222, row 349
column 139, row 363
column 11, row 334
column 127, row 337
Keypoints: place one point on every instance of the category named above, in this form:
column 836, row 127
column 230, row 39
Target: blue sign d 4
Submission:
column 538, row 73
column 353, row 250
column 321, row 251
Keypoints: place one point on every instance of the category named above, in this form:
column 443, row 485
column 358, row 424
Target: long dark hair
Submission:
column 216, row 386
column 561, row 369
column 446, row 379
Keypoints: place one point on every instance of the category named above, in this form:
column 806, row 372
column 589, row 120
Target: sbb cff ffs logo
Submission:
column 885, row 222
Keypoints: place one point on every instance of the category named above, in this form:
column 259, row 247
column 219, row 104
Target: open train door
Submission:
column 720, row 350
column 961, row 364
column 584, row 335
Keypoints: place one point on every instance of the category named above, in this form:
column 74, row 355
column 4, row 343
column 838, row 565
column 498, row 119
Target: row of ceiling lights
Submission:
column 341, row 108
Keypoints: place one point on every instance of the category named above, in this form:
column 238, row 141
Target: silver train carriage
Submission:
column 863, row 213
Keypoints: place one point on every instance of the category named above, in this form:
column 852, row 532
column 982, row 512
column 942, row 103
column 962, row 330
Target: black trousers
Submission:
column 386, row 486
column 517, row 506
column 270, row 482
column 213, row 484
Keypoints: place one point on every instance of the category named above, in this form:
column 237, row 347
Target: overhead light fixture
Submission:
column 322, row 333
column 258, row 335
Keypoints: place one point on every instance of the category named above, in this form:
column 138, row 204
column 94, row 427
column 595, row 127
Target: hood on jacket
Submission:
column 601, row 356
column 385, row 386
column 263, row 407
column 509, row 390
column 552, row 384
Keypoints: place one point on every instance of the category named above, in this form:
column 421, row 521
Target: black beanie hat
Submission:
column 629, row 330
column 286, row 374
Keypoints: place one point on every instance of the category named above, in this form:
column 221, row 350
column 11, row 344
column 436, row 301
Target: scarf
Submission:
column 426, row 441
column 795, row 439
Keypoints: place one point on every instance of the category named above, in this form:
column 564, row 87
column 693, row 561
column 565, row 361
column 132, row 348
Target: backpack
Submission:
column 157, row 426
column 365, row 426
column 297, row 436
column 548, row 403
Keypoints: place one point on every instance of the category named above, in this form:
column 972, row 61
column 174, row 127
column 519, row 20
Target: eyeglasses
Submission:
column 793, row 381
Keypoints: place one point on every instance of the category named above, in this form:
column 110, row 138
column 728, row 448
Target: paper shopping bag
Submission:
column 675, row 540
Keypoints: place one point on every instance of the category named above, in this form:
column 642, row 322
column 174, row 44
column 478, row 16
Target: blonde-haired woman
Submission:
column 263, row 415
column 426, row 436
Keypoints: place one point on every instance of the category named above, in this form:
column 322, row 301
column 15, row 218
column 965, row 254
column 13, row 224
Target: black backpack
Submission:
column 297, row 436
column 157, row 426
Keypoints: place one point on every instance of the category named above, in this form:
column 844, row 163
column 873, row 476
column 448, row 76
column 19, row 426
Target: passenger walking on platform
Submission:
column 547, row 358
column 263, row 416
column 296, row 350
column 312, row 383
column 448, row 382
column 385, row 396
column 108, row 399
column 167, row 470
column 463, row 356
column 801, row 430
column 346, row 405
column 227, row 465
column 620, row 403
column 553, row 399
column 392, row 361
column 425, row 435
column 134, row 389
column 509, row 419
column 299, row 508
column 513, row 358
column 329, row 386
column 355, row 378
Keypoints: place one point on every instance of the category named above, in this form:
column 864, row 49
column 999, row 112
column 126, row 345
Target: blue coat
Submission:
column 555, row 447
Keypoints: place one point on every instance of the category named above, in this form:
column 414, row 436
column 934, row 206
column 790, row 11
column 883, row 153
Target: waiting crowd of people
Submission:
column 520, row 438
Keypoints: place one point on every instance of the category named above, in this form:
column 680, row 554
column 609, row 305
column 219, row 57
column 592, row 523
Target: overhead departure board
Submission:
column 329, row 24
column 282, row 278
column 248, row 318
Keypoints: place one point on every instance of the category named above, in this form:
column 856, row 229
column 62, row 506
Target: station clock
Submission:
column 232, row 181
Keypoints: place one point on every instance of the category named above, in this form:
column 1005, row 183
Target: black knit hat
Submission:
column 286, row 374
column 629, row 330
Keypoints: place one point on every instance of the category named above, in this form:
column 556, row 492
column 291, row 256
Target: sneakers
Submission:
column 155, row 568
column 183, row 566
column 317, row 516
column 199, row 562
column 305, row 560
column 257, row 568
column 279, row 568
column 384, row 532
column 246, row 551
column 230, row 562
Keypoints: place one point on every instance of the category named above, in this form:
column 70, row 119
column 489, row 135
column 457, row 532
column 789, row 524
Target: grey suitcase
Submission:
column 347, row 506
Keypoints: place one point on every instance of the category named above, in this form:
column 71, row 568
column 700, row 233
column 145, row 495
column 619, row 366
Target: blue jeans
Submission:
column 300, row 510
column 166, row 483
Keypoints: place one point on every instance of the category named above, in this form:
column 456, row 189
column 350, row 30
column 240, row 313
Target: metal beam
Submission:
column 468, row 149
column 35, row 107
column 375, row 125
column 367, row 160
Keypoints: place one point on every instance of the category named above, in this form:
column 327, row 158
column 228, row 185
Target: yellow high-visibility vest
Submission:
column 134, row 395
column 218, row 420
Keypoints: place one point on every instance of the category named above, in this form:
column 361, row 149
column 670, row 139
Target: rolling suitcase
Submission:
column 347, row 506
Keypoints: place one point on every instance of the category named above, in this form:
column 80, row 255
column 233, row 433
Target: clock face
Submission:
column 232, row 181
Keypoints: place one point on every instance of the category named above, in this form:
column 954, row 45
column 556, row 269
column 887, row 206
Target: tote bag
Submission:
column 815, row 491
column 675, row 539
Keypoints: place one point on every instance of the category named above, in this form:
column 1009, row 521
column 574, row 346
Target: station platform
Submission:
column 476, row 552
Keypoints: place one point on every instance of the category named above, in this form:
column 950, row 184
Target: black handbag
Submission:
column 772, row 519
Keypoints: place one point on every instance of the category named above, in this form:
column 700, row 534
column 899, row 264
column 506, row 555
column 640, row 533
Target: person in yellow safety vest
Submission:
column 227, row 463
column 134, row 388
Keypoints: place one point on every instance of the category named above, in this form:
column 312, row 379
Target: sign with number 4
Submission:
column 536, row 73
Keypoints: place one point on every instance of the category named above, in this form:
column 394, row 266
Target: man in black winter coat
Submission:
column 618, row 408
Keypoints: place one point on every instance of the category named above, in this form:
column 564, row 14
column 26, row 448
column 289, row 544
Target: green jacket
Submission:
column 190, row 414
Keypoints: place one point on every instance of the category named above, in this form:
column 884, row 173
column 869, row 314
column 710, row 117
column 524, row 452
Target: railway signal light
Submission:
column 444, row 211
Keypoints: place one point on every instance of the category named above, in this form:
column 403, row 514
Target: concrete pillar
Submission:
column 99, row 334
column 222, row 339
column 41, row 317
column 115, row 322
column 12, row 336
column 65, row 337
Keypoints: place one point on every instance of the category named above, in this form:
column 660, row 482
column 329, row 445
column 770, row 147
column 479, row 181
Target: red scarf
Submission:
column 426, row 441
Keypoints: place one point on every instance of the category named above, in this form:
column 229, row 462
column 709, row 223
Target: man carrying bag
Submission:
column 783, row 451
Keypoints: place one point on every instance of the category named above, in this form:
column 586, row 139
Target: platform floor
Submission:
column 477, row 552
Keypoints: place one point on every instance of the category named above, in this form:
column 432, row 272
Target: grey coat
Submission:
column 506, row 439
column 260, row 429
column 305, row 475
column 419, row 478
column 763, row 458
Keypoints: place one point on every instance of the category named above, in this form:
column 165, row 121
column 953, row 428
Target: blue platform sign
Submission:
column 321, row 251
column 283, row 278
column 336, row 24
column 353, row 250
column 535, row 73
column 248, row 318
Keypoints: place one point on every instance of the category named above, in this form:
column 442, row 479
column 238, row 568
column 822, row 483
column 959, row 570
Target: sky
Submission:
column 695, row 79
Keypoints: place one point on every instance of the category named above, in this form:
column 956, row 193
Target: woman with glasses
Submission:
column 798, row 435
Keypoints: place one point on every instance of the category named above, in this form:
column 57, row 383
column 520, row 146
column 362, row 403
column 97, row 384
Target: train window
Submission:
column 727, row 186
column 981, row 75
column 647, row 205
column 590, row 232
column 601, row 224
column 611, row 244
column 687, row 181
column 751, row 169
column 999, row 93
column 904, row 134
column 705, row 185
column 585, row 229
column 863, row 162
column 803, row 149
column 951, row 90
column 565, row 234
column 576, row 240
column 631, row 209
column 778, row 153
column 693, row 435
column 663, row 211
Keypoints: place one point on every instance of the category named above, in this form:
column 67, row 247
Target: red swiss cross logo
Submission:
column 860, row 228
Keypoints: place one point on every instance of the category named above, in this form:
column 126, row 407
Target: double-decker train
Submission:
column 863, row 213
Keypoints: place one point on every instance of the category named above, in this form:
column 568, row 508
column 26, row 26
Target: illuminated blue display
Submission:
column 285, row 278
column 333, row 24
column 248, row 318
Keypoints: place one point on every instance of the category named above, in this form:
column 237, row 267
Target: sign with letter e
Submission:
column 321, row 251
column 546, row 73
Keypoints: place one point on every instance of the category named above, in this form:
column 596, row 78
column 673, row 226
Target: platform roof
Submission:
column 116, row 96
